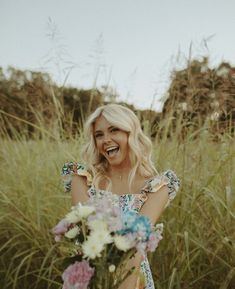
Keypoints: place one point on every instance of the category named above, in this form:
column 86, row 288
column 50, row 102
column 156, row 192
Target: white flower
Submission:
column 112, row 268
column 72, row 233
column 103, row 236
column 73, row 217
column 85, row 211
column 79, row 212
column 215, row 104
column 122, row 243
column 92, row 247
column 159, row 229
column 183, row 105
column 214, row 116
column 97, row 225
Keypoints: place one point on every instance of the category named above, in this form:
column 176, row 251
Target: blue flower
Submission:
column 136, row 224
column 142, row 227
column 129, row 218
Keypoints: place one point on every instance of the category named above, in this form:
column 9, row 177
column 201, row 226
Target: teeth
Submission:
column 112, row 150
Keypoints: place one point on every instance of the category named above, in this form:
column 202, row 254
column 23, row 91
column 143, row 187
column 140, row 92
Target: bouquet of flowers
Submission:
column 98, row 239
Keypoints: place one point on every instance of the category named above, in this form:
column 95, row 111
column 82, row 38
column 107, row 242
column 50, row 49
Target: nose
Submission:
column 107, row 138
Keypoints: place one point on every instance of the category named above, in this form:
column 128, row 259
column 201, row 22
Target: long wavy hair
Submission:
column 140, row 146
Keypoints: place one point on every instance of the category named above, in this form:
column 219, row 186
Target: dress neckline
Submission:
column 141, row 193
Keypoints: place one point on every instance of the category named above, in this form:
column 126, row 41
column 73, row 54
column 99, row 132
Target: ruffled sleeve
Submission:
column 70, row 169
column 167, row 178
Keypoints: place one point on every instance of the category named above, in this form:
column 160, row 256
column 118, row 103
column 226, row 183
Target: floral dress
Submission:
column 132, row 202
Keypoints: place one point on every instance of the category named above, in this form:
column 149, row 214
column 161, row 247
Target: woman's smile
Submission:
column 111, row 142
column 112, row 151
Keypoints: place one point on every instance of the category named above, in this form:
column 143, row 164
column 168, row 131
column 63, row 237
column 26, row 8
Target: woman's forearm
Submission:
column 133, row 281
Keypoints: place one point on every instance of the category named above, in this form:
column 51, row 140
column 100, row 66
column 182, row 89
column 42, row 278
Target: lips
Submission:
column 111, row 151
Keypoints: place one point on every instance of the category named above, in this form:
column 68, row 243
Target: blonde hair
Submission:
column 140, row 146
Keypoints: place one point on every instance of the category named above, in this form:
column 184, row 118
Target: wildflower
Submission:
column 183, row 106
column 72, row 233
column 155, row 237
column 103, row 236
column 115, row 224
column 97, row 225
column 85, row 211
column 79, row 212
column 60, row 229
column 152, row 242
column 212, row 95
column 77, row 275
column 122, row 243
column 115, row 221
column 141, row 248
column 112, row 268
column 129, row 219
column 73, row 216
column 159, row 227
column 142, row 227
column 92, row 247
column 214, row 116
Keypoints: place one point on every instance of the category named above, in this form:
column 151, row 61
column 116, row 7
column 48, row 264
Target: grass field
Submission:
column 198, row 248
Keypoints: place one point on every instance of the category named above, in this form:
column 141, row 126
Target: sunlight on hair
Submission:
column 139, row 144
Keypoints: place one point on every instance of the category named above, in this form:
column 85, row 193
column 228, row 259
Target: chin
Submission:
column 116, row 162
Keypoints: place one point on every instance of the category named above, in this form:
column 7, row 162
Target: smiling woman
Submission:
column 117, row 148
column 111, row 142
column 117, row 156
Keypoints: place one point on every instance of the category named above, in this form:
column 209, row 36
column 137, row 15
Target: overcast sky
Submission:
column 131, row 45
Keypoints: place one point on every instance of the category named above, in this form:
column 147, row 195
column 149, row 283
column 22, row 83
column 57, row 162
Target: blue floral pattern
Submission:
column 127, row 202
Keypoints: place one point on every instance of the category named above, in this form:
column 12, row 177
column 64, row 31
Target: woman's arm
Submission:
column 79, row 189
column 152, row 208
column 155, row 204
column 131, row 281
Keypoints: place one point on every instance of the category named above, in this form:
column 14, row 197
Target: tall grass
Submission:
column 198, row 249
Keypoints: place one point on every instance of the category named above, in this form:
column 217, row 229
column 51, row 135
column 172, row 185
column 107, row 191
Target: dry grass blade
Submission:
column 229, row 277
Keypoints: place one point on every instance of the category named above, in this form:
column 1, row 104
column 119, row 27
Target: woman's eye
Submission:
column 114, row 129
column 98, row 135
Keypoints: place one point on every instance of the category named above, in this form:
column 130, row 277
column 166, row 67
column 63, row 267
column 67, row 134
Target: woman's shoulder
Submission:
column 69, row 169
column 166, row 178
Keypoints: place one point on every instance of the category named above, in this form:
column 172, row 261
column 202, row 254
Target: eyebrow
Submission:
column 110, row 127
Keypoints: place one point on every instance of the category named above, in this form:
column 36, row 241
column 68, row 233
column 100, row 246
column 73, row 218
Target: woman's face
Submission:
column 111, row 142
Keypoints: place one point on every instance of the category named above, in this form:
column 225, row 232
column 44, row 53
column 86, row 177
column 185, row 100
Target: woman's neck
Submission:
column 116, row 171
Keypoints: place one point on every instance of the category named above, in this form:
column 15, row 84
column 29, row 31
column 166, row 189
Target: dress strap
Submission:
column 167, row 178
column 139, row 201
column 73, row 168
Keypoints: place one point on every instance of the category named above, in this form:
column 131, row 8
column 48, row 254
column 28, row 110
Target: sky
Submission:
column 129, row 45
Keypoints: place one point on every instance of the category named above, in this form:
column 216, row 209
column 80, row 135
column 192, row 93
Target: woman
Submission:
column 117, row 155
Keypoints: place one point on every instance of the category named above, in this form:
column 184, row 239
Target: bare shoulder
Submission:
column 79, row 189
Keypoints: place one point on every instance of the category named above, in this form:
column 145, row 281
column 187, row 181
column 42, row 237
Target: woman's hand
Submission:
column 134, row 280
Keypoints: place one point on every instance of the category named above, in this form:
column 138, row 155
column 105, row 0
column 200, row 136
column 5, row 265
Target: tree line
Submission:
column 197, row 95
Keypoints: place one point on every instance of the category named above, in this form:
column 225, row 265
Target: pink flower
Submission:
column 77, row 275
column 115, row 221
column 141, row 248
column 153, row 241
column 60, row 229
